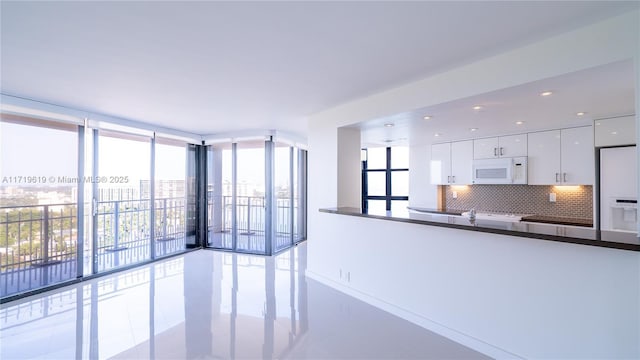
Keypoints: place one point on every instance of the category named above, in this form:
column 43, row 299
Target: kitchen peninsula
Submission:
column 533, row 230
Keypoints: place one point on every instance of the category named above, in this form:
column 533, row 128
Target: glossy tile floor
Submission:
column 207, row 304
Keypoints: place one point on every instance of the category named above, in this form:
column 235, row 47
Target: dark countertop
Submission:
column 436, row 211
column 558, row 220
column 551, row 232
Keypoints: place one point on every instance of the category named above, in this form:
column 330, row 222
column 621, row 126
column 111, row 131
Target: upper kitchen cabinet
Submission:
column 543, row 158
column 451, row 163
column 618, row 131
column 577, row 156
column 462, row 162
column 503, row 146
column 440, row 163
column 561, row 157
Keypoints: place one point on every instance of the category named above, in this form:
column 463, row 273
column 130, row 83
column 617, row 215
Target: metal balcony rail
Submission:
column 38, row 243
column 250, row 221
column 251, row 214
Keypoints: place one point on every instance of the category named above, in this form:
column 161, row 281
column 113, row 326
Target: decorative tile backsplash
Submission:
column 573, row 202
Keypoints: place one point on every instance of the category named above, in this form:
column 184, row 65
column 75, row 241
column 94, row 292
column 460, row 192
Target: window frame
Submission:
column 388, row 170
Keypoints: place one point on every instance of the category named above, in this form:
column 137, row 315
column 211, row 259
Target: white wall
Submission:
column 340, row 244
column 499, row 294
column 349, row 176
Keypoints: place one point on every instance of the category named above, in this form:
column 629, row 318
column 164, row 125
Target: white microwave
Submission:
column 500, row 171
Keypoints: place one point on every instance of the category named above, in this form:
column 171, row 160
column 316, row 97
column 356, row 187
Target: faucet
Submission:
column 472, row 214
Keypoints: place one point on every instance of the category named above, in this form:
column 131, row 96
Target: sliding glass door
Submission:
column 256, row 193
column 122, row 200
column 283, row 192
column 38, row 203
column 219, row 196
column 170, row 196
column 250, row 197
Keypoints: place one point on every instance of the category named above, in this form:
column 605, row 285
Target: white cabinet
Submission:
column 503, row 146
column 577, row 156
column 544, row 158
column 451, row 163
column 462, row 162
column 615, row 131
column 440, row 163
column 561, row 157
column 485, row 148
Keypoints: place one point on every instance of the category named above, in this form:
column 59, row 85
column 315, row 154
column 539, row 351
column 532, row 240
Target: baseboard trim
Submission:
column 454, row 335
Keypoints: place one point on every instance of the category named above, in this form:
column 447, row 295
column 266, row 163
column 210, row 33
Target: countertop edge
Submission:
column 548, row 237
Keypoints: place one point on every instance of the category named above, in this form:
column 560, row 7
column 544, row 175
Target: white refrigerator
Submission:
column 618, row 189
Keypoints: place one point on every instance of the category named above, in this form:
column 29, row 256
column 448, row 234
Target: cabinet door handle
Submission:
column 495, row 151
column 501, row 151
column 557, row 177
column 564, row 176
column 454, row 179
column 448, row 179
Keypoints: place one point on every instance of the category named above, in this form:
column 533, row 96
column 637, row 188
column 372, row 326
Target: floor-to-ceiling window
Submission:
column 385, row 178
column 250, row 196
column 284, row 196
column 256, row 195
column 38, row 203
column 170, row 196
column 219, row 195
column 105, row 196
column 122, row 193
column 299, row 194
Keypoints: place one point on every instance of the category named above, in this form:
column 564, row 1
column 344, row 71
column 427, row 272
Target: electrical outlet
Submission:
column 552, row 197
column 455, row 194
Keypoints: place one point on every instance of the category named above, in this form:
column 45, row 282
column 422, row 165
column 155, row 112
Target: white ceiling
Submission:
column 211, row 67
column 600, row 92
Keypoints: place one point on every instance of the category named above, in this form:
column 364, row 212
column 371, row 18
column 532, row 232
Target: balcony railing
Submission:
column 250, row 222
column 39, row 243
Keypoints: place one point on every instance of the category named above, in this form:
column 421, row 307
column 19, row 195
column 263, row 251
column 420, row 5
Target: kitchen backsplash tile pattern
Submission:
column 575, row 202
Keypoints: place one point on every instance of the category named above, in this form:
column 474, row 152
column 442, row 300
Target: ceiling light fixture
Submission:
column 477, row 107
column 388, row 125
column 519, row 122
column 427, row 117
column 436, row 134
column 473, row 129
column 546, row 93
column 581, row 113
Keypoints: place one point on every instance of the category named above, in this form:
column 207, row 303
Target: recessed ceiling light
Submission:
column 427, row 117
column 546, row 93
column 581, row 113
column 473, row 129
column 388, row 125
column 436, row 134
column 519, row 122
column 477, row 107
column 597, row 123
column 614, row 133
